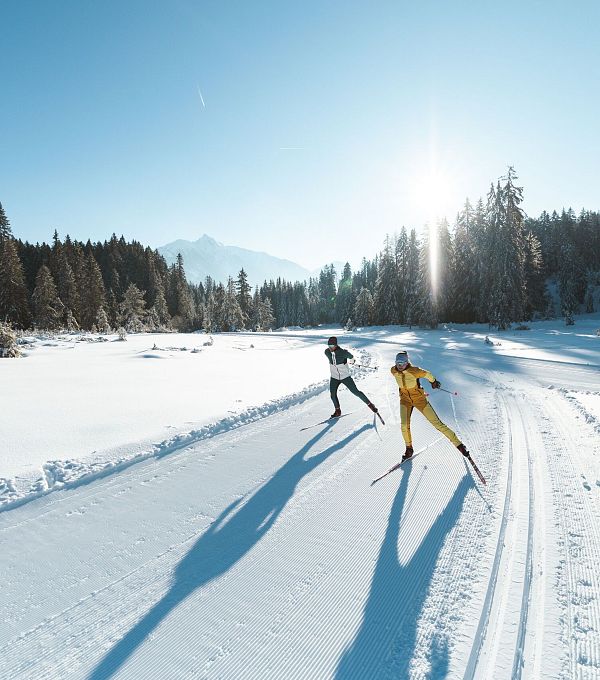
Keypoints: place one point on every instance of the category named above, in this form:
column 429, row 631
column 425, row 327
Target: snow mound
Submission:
column 65, row 474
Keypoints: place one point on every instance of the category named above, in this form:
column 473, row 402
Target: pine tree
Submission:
column 535, row 287
column 47, row 307
column 182, row 303
column 8, row 341
column 344, row 300
column 209, row 312
column 244, row 297
column 133, row 309
column 102, row 323
column 94, row 295
column 411, row 287
column 266, row 318
column 161, row 311
column 386, row 307
column 566, row 283
column 327, row 291
column 71, row 322
column 364, row 308
column 401, row 257
column 233, row 317
column 5, row 230
column 506, row 249
column 14, row 306
column 427, row 313
column 464, row 268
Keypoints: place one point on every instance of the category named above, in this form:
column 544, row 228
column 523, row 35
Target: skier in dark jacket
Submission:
column 340, row 373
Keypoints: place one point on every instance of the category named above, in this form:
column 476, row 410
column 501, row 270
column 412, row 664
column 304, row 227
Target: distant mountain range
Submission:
column 207, row 257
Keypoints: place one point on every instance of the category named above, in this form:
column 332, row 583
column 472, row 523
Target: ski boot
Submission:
column 408, row 453
column 337, row 413
column 463, row 449
column 372, row 407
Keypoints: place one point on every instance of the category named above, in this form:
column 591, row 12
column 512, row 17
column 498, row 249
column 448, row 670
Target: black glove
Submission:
column 436, row 384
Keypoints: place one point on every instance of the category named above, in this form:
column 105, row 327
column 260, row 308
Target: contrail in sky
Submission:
column 201, row 97
column 291, row 148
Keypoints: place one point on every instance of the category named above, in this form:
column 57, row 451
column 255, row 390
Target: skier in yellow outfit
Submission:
column 412, row 396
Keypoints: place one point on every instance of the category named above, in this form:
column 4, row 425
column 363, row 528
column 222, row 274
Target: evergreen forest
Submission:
column 492, row 264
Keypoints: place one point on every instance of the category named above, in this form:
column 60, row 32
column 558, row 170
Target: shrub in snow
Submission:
column 102, row 322
column 121, row 332
column 598, row 332
column 522, row 327
column 209, row 342
column 8, row 341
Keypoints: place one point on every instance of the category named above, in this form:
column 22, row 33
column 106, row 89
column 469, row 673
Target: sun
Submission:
column 434, row 193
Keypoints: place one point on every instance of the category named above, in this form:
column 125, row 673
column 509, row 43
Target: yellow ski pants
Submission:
column 427, row 410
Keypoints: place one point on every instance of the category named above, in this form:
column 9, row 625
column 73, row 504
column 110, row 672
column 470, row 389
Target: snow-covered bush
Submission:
column 122, row 333
column 209, row 342
column 8, row 341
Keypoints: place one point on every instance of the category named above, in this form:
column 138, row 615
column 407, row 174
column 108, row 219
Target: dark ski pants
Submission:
column 334, row 383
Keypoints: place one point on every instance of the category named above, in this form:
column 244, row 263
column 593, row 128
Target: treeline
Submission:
column 93, row 286
column 491, row 266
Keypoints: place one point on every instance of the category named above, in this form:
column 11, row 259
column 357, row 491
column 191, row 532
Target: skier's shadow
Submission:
column 384, row 645
column 222, row 545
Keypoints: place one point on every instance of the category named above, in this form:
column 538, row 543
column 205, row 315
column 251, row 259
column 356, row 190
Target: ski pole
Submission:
column 373, row 368
column 449, row 392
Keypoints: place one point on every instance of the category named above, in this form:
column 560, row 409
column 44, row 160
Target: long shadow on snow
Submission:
column 223, row 544
column 385, row 642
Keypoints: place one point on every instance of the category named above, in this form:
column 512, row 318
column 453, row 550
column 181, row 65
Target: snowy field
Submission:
column 169, row 514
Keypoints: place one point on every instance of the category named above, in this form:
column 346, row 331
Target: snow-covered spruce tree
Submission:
column 536, row 295
column 181, row 304
column 71, row 322
column 589, row 300
column 464, row 268
column 93, row 296
column 64, row 278
column 445, row 261
column 133, row 309
column 386, row 308
column 427, row 314
column 507, row 257
column 401, row 255
column 8, row 341
column 344, row 300
column 411, row 286
column 14, row 306
column 327, row 290
column 232, row 315
column 266, row 319
column 244, row 297
column 160, row 310
column 47, row 307
column 5, row 230
column 364, row 308
column 567, row 277
column 102, row 323
column 208, row 320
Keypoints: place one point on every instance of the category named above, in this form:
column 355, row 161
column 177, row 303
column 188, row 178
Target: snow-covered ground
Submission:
column 178, row 514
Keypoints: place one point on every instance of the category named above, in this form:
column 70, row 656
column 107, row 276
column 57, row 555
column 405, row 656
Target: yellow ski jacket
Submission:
column 411, row 392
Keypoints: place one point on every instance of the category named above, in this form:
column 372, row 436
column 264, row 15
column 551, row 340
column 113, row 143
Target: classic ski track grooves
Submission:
column 494, row 617
column 578, row 576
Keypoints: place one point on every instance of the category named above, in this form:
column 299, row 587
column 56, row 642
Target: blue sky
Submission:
column 305, row 129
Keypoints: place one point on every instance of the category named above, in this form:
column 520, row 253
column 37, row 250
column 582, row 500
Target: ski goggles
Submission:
column 331, row 346
column 402, row 360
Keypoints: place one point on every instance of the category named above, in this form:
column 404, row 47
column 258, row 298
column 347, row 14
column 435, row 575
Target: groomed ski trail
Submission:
column 264, row 553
